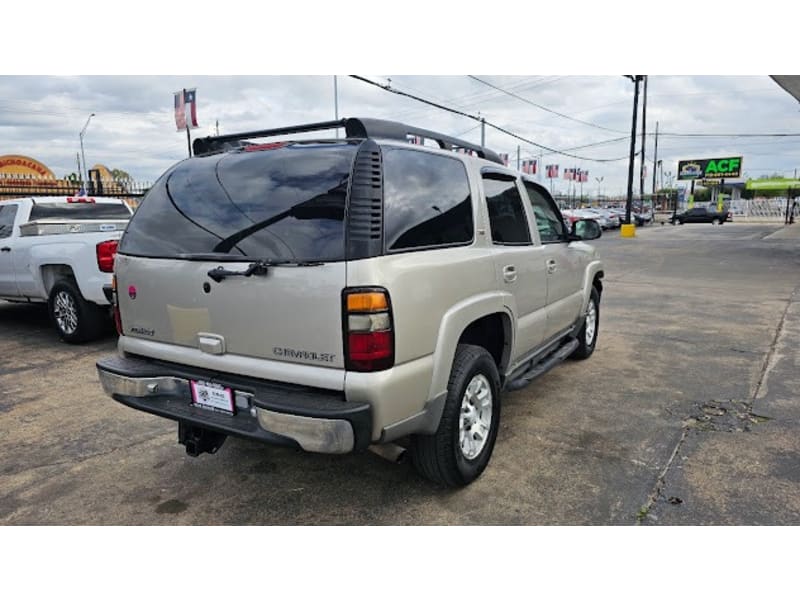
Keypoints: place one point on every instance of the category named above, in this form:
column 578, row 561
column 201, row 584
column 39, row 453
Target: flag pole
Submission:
column 189, row 140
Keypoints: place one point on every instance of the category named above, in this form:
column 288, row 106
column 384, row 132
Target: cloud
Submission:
column 133, row 128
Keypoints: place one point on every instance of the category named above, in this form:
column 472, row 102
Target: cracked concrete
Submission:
column 687, row 413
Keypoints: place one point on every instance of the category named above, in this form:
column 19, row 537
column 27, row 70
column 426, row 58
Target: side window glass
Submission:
column 548, row 221
column 7, row 214
column 427, row 200
column 506, row 213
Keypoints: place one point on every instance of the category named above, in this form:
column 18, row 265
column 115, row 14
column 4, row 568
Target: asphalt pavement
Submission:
column 687, row 413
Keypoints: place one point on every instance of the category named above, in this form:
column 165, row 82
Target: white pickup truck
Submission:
column 61, row 250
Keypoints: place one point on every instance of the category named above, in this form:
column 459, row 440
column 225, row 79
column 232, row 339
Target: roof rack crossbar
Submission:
column 354, row 128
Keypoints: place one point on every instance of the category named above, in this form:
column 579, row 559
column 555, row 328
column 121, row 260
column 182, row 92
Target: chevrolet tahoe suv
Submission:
column 343, row 294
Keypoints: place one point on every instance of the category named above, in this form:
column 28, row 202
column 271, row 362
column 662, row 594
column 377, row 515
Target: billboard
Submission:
column 710, row 168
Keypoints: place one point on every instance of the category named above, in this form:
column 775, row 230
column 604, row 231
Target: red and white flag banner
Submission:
column 186, row 99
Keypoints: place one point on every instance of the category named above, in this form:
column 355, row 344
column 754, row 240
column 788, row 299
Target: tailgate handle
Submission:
column 211, row 343
column 256, row 268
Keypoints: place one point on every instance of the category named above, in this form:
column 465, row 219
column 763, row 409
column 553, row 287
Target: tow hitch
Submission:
column 198, row 440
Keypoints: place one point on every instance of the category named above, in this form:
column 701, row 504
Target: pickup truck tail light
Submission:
column 368, row 329
column 106, row 252
column 115, row 305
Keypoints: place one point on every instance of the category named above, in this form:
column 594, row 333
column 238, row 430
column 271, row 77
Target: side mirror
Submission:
column 586, row 229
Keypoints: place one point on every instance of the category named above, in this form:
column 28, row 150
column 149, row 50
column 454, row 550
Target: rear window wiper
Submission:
column 259, row 267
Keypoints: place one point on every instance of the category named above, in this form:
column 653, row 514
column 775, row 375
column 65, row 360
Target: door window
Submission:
column 506, row 212
column 548, row 219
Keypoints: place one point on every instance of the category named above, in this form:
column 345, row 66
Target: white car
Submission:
column 61, row 250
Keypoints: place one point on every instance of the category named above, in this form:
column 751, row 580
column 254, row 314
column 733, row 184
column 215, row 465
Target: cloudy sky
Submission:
column 133, row 128
column 74, row 63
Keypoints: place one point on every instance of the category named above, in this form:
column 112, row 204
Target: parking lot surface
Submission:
column 687, row 413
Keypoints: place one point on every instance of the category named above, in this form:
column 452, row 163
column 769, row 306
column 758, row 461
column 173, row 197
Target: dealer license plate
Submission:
column 212, row 396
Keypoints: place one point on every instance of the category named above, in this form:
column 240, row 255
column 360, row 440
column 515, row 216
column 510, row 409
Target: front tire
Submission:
column 715, row 221
column 460, row 449
column 75, row 319
column 587, row 336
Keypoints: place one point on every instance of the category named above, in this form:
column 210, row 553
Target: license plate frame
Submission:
column 212, row 396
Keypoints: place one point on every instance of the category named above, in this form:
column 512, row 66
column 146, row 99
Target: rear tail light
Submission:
column 368, row 330
column 106, row 252
column 115, row 305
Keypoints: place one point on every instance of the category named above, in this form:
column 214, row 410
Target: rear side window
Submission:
column 283, row 204
column 79, row 210
column 7, row 214
column 427, row 200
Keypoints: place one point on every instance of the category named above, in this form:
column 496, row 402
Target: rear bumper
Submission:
column 316, row 420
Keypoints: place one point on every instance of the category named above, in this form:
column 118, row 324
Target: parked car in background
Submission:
column 611, row 218
column 60, row 250
column 701, row 214
column 577, row 214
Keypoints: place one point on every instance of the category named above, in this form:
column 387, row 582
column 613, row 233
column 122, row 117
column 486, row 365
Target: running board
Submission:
column 542, row 367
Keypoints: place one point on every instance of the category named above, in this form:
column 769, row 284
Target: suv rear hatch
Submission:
column 242, row 253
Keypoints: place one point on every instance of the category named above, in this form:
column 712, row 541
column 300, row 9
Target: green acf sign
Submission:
column 710, row 168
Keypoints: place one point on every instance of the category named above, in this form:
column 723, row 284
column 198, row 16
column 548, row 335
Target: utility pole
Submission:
column 483, row 132
column 655, row 162
column 644, row 139
column 518, row 157
column 217, row 127
column 636, row 79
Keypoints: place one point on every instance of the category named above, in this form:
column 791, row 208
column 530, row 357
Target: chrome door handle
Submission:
column 551, row 267
column 509, row 273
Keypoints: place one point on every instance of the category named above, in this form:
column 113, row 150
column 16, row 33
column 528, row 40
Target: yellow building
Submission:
column 23, row 175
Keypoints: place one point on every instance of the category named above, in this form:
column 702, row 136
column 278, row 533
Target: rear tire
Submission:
column 715, row 221
column 460, row 449
column 587, row 336
column 75, row 319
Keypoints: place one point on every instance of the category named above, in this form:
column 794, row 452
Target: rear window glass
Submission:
column 426, row 200
column 282, row 204
column 79, row 210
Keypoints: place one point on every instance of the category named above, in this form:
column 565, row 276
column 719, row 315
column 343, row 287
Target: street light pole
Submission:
column 599, row 180
column 83, row 156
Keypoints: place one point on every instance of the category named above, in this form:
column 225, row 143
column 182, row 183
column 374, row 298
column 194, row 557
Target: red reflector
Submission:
column 257, row 147
column 106, row 252
column 370, row 351
column 117, row 318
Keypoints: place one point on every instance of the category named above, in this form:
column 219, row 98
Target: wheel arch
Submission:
column 468, row 322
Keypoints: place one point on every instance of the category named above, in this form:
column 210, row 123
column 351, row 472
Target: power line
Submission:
column 388, row 88
column 544, row 108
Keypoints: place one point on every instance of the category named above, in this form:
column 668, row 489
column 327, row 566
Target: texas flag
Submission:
column 552, row 171
column 569, row 174
column 183, row 99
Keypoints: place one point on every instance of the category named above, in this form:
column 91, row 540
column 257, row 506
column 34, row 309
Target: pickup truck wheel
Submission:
column 76, row 319
column 715, row 221
column 587, row 337
column 461, row 447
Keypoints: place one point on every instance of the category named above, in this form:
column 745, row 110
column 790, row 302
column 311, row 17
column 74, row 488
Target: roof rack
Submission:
column 354, row 128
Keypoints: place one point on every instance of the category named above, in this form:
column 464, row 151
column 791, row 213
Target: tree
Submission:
column 120, row 175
